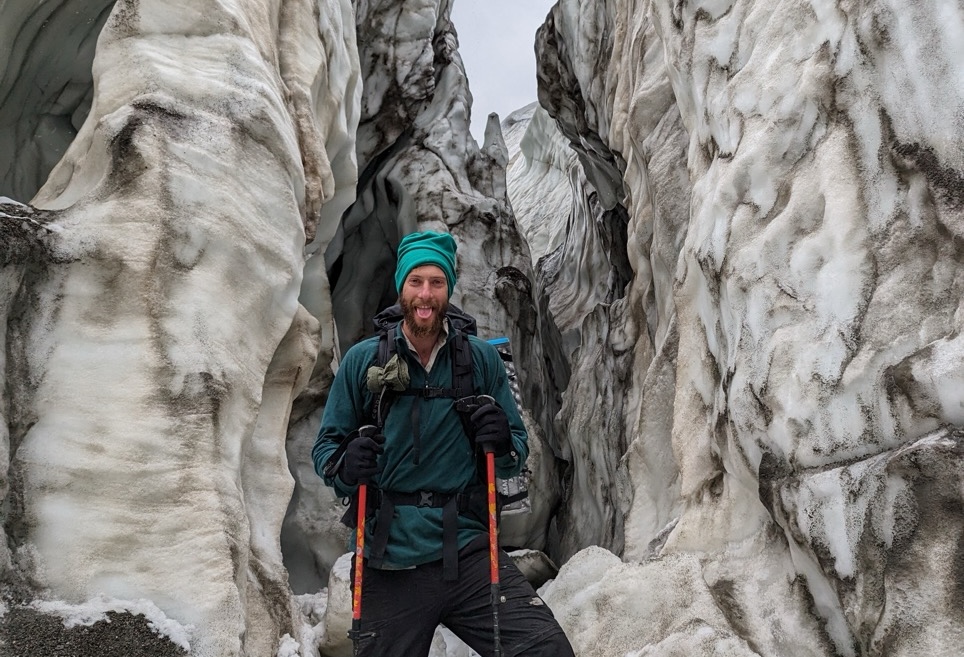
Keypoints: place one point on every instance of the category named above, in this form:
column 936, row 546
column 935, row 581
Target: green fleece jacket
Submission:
column 446, row 462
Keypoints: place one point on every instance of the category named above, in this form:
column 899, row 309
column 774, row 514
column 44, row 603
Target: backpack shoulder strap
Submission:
column 383, row 400
column 462, row 381
column 386, row 346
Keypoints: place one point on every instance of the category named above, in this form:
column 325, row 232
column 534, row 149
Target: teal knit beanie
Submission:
column 427, row 248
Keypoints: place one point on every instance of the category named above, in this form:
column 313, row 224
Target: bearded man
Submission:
column 426, row 560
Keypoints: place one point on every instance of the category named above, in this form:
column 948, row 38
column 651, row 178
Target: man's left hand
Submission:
column 492, row 429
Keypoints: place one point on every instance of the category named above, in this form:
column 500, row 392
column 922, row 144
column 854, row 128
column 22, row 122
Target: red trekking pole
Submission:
column 356, row 594
column 493, row 534
column 467, row 406
column 359, row 568
column 493, row 549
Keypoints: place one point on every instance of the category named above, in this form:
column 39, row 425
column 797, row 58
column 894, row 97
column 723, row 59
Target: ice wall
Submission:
column 153, row 336
column 784, row 358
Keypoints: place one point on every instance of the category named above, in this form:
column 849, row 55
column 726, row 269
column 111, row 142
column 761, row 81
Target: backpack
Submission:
column 512, row 493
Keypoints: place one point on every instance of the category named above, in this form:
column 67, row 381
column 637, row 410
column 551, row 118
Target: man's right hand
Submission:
column 361, row 456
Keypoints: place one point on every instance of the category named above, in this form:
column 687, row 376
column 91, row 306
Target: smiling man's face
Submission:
column 424, row 300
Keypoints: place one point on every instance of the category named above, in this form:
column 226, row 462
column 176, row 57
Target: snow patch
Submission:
column 288, row 647
column 96, row 609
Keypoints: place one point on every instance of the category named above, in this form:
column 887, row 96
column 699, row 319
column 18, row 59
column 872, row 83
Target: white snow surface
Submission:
column 96, row 609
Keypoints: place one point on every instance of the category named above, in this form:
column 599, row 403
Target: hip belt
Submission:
column 452, row 505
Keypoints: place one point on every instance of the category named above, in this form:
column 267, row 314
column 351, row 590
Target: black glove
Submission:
column 492, row 429
column 361, row 457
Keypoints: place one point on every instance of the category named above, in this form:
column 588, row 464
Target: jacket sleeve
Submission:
column 345, row 411
column 495, row 383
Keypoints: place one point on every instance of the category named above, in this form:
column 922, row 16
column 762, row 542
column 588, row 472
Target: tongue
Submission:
column 423, row 313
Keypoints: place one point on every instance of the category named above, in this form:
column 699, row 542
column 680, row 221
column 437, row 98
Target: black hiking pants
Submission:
column 402, row 608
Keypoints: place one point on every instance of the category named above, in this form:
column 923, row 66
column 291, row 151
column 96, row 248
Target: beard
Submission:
column 423, row 330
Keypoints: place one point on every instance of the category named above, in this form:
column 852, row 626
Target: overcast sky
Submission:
column 496, row 41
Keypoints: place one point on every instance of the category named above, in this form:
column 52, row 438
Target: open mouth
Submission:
column 424, row 312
